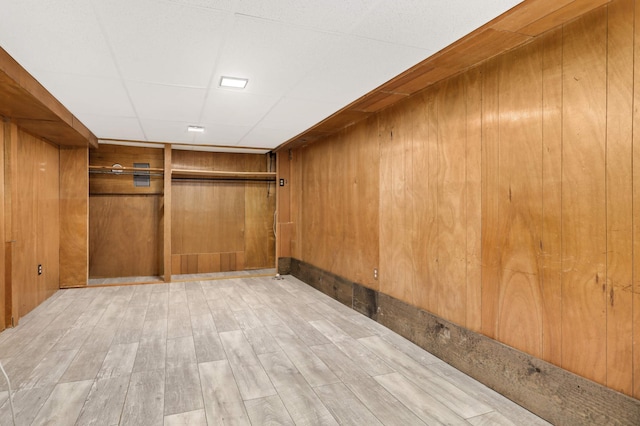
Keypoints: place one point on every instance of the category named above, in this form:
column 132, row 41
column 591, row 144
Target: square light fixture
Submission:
column 233, row 82
column 195, row 129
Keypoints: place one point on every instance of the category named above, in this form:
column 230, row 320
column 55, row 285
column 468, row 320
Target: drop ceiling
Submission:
column 144, row 70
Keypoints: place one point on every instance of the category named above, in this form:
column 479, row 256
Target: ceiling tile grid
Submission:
column 146, row 69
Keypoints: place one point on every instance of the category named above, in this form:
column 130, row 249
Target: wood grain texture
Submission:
column 519, row 297
column 505, row 194
column 635, row 287
column 123, row 235
column 74, row 217
column 396, row 215
column 109, row 183
column 583, row 193
column 5, row 286
column 619, row 190
column 552, row 196
column 165, row 250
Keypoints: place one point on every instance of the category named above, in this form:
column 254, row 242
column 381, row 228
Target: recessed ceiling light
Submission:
column 195, row 129
column 233, row 82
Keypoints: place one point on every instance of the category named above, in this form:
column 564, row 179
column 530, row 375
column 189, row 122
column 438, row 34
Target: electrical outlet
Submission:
column 281, row 182
column 39, row 269
column 375, row 273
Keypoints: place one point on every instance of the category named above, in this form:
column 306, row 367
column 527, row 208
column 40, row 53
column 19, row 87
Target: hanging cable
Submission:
column 13, row 416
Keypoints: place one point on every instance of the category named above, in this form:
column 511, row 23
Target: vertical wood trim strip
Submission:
column 636, row 208
column 166, row 222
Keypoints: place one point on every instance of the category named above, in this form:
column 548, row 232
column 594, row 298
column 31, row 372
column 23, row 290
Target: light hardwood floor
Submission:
column 235, row 352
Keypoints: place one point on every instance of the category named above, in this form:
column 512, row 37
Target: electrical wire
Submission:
column 13, row 416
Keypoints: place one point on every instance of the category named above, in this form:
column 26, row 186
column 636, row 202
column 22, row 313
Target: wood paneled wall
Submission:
column 124, row 220
column 31, row 226
column 74, row 216
column 221, row 225
column 504, row 199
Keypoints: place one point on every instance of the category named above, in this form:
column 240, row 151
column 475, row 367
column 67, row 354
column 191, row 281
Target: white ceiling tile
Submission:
column 167, row 131
column 220, row 134
column 328, row 15
column 272, row 56
column 265, row 137
column 58, row 36
column 145, row 69
column 228, row 5
column 91, row 95
column 164, row 42
column 113, row 127
column 171, row 103
column 297, row 114
column 347, row 74
column 428, row 24
column 236, row 107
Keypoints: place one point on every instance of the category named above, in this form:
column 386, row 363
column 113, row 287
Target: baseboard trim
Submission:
column 546, row 390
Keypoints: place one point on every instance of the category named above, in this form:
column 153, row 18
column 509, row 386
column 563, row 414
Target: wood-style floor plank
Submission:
column 345, row 406
column 222, row 401
column 104, row 402
column 64, row 404
column 250, row 376
column 268, row 411
column 144, row 404
column 229, row 351
column 298, row 397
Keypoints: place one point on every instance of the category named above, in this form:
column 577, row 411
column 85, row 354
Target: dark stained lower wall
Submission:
column 550, row 392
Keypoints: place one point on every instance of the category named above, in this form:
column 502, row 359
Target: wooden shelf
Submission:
column 220, row 175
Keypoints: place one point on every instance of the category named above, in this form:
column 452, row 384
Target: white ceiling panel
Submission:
column 327, row 15
column 143, row 70
column 220, row 134
column 172, row 103
column 249, row 53
column 428, row 24
column 347, row 72
column 236, row 107
column 58, row 36
column 166, row 131
column 89, row 95
column 163, row 42
column 113, row 127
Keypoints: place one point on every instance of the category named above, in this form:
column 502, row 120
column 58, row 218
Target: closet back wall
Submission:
column 124, row 220
column 221, row 225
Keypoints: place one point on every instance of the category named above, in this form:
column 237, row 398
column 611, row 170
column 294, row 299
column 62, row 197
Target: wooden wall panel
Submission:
column 423, row 200
column 123, row 235
column 519, row 297
column 491, row 223
column 48, row 219
column 74, row 217
column 5, row 288
column 506, row 198
column 210, row 217
column 33, row 175
column 451, row 215
column 207, row 217
column 108, row 155
column 635, row 288
column 583, row 195
column 25, row 225
column 126, row 223
column 619, row 190
column 552, row 196
column 396, row 213
column 473, row 196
